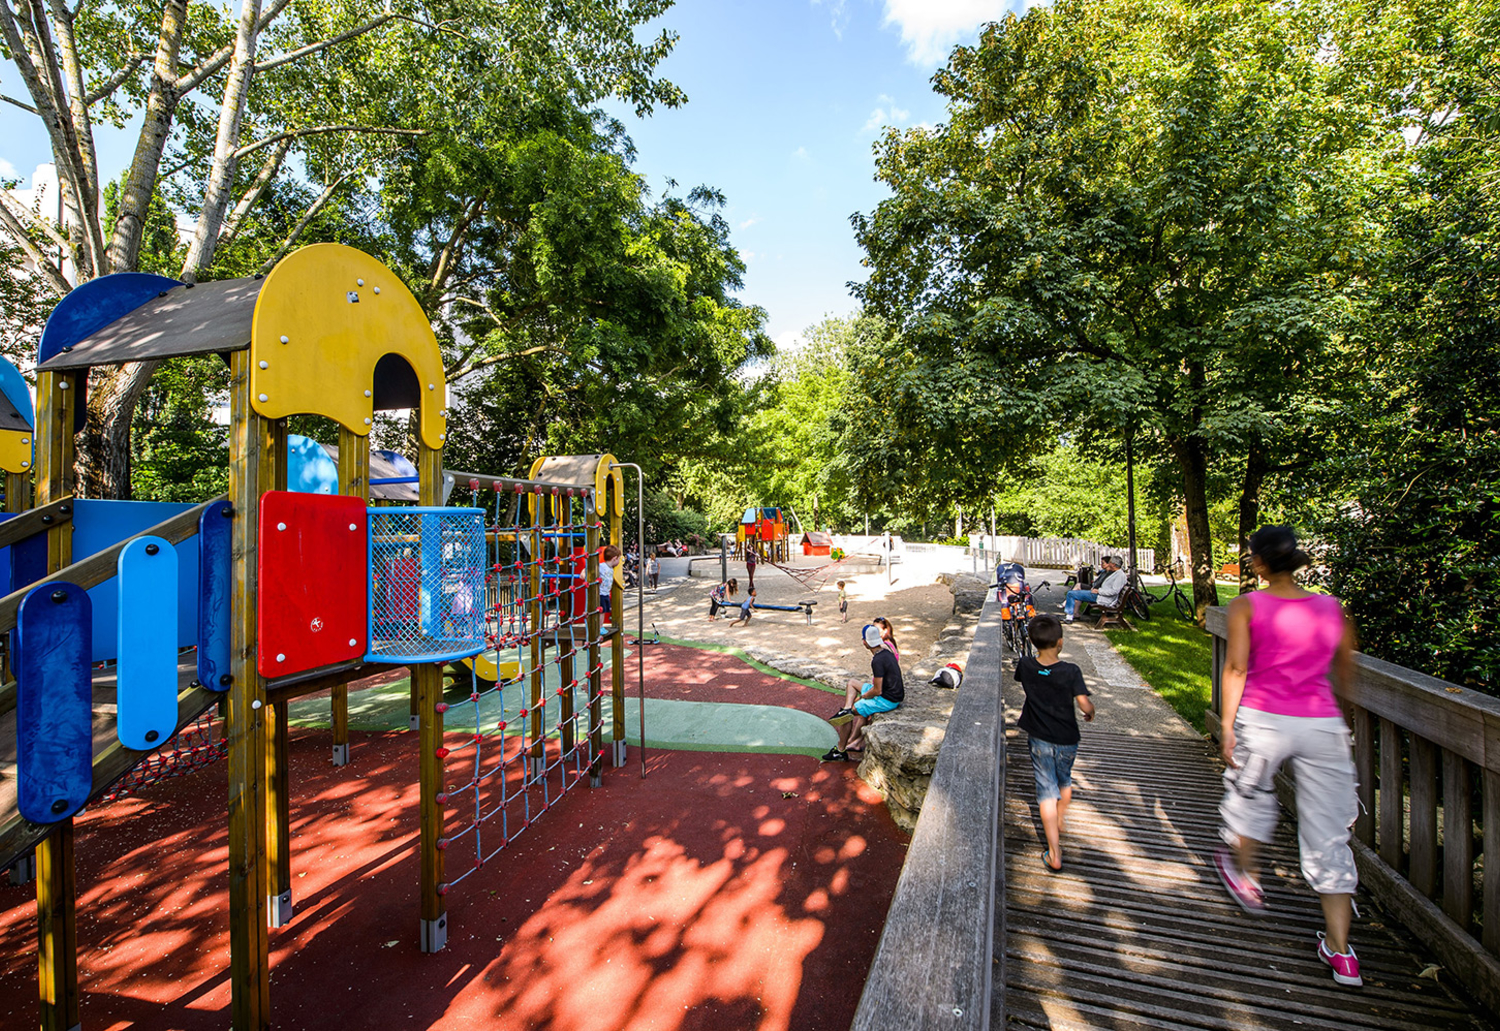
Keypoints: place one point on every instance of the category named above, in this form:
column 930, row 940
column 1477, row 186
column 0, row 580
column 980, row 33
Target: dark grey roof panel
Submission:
column 10, row 419
column 210, row 318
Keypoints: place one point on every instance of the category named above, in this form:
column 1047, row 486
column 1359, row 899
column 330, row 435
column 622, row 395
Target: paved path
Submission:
column 1136, row 931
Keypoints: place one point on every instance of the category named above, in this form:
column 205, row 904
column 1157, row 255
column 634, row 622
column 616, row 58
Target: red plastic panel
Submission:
column 313, row 562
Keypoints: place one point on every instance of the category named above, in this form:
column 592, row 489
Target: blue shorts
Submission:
column 1053, row 767
column 868, row 707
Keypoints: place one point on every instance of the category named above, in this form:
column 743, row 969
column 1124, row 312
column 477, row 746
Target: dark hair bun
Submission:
column 1276, row 546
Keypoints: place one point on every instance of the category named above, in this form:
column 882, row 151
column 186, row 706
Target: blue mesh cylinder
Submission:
column 426, row 584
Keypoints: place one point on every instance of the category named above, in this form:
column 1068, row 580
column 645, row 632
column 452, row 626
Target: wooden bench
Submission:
column 1111, row 617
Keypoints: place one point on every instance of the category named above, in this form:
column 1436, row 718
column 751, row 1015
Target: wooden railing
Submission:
column 941, row 959
column 1427, row 757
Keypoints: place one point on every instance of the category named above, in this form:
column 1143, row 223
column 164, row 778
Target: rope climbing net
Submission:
column 196, row 745
column 530, row 734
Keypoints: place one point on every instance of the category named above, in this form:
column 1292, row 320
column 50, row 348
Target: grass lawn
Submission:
column 1173, row 656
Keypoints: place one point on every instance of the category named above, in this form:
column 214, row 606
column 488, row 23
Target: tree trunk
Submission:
column 161, row 108
column 1255, row 475
column 218, row 193
column 104, row 450
column 1193, row 461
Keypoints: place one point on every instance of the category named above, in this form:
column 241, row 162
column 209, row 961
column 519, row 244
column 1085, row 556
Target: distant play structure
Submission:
column 764, row 531
column 321, row 566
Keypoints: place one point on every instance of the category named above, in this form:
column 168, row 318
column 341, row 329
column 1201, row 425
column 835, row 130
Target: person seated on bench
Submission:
column 1108, row 593
column 883, row 693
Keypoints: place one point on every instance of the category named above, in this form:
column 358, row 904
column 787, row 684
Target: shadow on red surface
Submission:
column 723, row 891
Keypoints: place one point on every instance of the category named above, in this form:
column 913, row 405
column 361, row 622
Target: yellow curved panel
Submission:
column 486, row 668
column 603, row 476
column 325, row 316
column 15, row 451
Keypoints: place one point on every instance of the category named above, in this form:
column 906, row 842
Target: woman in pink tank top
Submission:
column 1287, row 646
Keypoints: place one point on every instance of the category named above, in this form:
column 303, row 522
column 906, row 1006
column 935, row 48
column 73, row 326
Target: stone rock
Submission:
column 968, row 591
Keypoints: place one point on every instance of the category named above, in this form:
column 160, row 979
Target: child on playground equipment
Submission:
column 719, row 595
column 746, row 607
column 884, row 692
column 751, row 558
column 1051, row 686
column 843, row 602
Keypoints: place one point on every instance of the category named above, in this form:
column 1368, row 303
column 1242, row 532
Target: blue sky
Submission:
column 785, row 99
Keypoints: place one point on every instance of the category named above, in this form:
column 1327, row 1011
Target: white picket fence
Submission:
column 988, row 550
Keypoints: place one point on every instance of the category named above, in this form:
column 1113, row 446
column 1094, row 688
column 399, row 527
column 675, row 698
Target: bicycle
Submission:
column 1017, row 608
column 1184, row 601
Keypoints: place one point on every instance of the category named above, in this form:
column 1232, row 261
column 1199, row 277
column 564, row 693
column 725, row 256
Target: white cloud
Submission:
column 837, row 16
column 886, row 114
column 7, row 170
column 800, row 153
column 788, row 341
column 930, row 28
column 749, row 222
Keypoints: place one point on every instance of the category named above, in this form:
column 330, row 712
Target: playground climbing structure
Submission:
column 132, row 620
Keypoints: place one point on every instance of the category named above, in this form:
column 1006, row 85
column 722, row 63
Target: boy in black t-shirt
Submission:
column 884, row 692
column 1051, row 685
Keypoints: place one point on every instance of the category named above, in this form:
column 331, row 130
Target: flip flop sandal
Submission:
column 1047, row 861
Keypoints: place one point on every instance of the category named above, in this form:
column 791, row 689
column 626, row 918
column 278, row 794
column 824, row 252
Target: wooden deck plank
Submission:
column 1136, row 932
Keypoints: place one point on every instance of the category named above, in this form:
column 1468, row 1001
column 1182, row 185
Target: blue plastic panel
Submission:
column 310, row 469
column 13, row 386
column 5, row 587
column 147, row 643
column 94, row 304
column 88, row 308
column 100, row 524
column 215, row 590
column 54, row 704
column 28, row 561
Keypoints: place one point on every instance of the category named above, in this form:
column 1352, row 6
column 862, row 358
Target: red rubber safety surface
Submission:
column 724, row 891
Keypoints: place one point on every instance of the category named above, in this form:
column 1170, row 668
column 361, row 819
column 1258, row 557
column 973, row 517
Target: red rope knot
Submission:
column 500, row 725
column 519, row 488
column 442, row 844
column 523, row 714
column 442, row 889
column 441, row 707
column 473, row 483
column 442, row 798
column 441, row 753
column 478, row 739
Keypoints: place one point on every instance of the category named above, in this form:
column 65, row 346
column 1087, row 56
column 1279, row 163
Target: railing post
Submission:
column 1392, row 825
column 1364, row 771
column 1458, row 841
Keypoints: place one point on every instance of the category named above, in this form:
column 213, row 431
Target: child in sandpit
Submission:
column 719, row 595
column 746, row 607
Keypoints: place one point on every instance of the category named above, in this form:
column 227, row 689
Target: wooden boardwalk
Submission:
column 1137, row 932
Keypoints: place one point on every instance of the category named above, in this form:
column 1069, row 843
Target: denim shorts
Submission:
column 1053, row 768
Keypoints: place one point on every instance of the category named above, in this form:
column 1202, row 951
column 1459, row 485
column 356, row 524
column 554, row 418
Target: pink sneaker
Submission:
column 1345, row 964
column 1241, row 888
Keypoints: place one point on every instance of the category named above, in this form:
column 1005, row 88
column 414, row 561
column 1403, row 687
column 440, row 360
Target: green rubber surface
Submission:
column 670, row 723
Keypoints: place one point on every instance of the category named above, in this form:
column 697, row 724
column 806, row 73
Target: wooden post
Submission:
column 537, row 757
column 565, row 657
column 56, row 890
column 278, row 775
column 1424, row 768
column 1491, row 902
column 1364, row 771
column 427, row 683
column 617, row 625
column 250, row 472
column 1392, row 827
column 1458, row 840
column 354, row 480
column 596, row 625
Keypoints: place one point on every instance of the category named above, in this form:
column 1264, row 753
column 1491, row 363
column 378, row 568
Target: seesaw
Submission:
column 802, row 606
